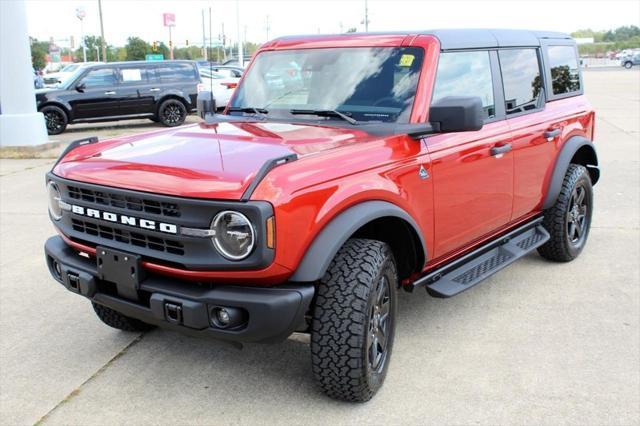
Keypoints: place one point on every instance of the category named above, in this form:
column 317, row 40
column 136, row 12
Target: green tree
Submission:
column 136, row 49
column 39, row 52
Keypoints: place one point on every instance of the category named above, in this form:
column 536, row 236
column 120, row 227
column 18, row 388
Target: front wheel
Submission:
column 172, row 113
column 569, row 219
column 55, row 119
column 353, row 322
column 628, row 65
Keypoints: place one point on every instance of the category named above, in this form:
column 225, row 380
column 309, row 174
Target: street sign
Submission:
column 154, row 57
column 169, row 19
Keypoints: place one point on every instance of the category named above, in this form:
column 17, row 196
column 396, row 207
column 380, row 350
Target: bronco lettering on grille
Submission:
column 125, row 220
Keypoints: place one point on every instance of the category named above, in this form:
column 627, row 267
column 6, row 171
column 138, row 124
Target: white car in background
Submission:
column 220, row 85
column 55, row 78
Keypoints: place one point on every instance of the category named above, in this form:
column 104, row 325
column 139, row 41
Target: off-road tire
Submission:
column 117, row 320
column 560, row 248
column 56, row 119
column 341, row 323
column 172, row 113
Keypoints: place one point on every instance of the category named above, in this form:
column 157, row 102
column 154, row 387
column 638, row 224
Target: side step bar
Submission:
column 474, row 267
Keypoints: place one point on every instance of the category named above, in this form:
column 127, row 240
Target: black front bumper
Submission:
column 269, row 314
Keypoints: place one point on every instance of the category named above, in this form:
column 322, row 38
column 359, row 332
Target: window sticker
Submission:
column 406, row 60
column 131, row 75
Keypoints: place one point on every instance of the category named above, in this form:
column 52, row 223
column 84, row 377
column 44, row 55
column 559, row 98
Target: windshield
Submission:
column 66, row 81
column 366, row 84
column 69, row 68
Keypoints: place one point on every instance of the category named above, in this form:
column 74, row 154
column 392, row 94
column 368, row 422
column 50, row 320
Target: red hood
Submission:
column 200, row 161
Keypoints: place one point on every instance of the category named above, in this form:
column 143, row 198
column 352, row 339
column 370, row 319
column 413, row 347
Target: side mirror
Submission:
column 206, row 104
column 457, row 114
column 80, row 87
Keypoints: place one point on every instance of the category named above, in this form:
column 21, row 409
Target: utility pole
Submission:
column 224, row 44
column 267, row 27
column 240, row 55
column 204, row 39
column 366, row 16
column 103, row 42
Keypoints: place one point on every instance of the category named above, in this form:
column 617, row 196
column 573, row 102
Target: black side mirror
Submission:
column 80, row 87
column 457, row 114
column 206, row 103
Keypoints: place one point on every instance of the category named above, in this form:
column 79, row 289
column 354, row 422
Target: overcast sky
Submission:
column 143, row 18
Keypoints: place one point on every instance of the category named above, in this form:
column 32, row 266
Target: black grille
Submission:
column 135, row 204
column 133, row 238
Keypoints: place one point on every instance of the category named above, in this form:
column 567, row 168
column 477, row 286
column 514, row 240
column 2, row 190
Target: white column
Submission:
column 20, row 123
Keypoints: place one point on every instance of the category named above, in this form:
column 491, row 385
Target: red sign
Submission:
column 169, row 19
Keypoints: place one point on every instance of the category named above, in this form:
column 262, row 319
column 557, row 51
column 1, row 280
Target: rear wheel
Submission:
column 55, row 118
column 353, row 321
column 172, row 113
column 569, row 220
column 117, row 320
column 628, row 64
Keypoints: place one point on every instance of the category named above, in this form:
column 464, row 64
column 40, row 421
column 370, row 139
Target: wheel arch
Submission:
column 379, row 220
column 577, row 150
column 177, row 97
column 65, row 108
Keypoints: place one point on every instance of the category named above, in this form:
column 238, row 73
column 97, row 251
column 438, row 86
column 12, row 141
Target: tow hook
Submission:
column 173, row 312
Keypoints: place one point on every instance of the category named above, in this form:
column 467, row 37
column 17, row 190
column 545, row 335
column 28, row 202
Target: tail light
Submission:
column 230, row 85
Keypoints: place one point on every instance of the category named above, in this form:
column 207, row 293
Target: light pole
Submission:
column 103, row 42
column 240, row 55
column 20, row 123
column 80, row 14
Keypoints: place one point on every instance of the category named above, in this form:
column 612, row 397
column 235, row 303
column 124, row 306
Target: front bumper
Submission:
column 269, row 314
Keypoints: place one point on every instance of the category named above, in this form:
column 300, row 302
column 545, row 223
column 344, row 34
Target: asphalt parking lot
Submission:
column 538, row 343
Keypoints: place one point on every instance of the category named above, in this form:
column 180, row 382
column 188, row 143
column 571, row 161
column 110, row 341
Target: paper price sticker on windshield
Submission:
column 406, row 60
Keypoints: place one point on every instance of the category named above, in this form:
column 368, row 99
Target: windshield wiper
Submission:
column 324, row 113
column 260, row 112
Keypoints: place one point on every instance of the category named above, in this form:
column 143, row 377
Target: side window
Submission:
column 565, row 77
column 134, row 75
column 175, row 72
column 521, row 79
column 99, row 78
column 465, row 74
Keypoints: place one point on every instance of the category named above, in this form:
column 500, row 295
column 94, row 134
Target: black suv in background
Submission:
column 163, row 91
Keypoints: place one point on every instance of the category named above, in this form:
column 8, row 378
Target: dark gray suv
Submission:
column 163, row 91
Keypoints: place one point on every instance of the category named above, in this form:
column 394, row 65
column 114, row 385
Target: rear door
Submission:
column 98, row 97
column 137, row 91
column 538, row 117
column 473, row 181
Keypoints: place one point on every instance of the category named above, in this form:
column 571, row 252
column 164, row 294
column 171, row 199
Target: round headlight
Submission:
column 234, row 236
column 54, row 201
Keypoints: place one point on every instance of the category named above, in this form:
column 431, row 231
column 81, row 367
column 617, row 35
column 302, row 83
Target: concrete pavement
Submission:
column 538, row 343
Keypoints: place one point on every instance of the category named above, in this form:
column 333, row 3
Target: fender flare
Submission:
column 326, row 244
column 567, row 152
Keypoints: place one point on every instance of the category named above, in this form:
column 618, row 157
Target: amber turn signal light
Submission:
column 271, row 232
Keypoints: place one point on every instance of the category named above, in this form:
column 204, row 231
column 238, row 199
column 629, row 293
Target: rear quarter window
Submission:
column 176, row 73
column 563, row 64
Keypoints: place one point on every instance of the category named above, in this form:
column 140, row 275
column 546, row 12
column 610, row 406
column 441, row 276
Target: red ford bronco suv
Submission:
column 345, row 168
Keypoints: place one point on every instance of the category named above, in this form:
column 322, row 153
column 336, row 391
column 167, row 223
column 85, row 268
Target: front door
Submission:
column 472, row 171
column 97, row 95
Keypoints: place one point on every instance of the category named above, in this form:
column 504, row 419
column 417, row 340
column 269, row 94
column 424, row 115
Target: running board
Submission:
column 474, row 267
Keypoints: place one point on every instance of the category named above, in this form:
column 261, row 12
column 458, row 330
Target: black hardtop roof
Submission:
column 468, row 38
column 150, row 63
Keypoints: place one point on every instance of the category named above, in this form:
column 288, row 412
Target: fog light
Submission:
column 57, row 269
column 227, row 317
column 223, row 316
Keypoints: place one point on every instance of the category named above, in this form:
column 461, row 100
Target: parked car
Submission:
column 235, row 62
column 629, row 61
column 410, row 161
column 55, row 78
column 220, row 85
column 163, row 91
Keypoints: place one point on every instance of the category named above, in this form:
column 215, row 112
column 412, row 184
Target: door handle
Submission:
column 499, row 150
column 110, row 93
column 155, row 89
column 550, row 134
